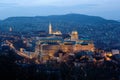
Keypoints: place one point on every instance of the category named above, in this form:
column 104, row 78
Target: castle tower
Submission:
column 74, row 36
column 50, row 28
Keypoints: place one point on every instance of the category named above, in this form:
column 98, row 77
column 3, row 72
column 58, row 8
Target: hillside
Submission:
column 104, row 32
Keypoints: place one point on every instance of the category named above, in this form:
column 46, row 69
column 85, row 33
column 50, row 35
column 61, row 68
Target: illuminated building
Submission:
column 53, row 32
column 10, row 29
column 50, row 28
column 84, row 45
column 68, row 46
column 74, row 36
column 21, row 50
column 115, row 51
column 57, row 33
column 53, row 44
column 46, row 47
column 56, row 44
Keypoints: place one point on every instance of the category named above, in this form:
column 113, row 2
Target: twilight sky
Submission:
column 109, row 9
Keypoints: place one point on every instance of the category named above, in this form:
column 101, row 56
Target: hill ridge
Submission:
column 104, row 32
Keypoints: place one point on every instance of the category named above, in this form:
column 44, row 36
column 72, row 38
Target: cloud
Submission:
column 29, row 2
column 105, row 8
column 59, row 3
column 7, row 4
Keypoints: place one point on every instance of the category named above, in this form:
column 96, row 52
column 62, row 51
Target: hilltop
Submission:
column 104, row 32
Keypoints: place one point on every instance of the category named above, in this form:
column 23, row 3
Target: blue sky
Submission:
column 109, row 9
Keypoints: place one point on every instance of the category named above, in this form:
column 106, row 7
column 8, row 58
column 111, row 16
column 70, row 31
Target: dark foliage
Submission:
column 55, row 71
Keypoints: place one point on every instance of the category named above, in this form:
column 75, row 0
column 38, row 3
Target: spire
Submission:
column 50, row 28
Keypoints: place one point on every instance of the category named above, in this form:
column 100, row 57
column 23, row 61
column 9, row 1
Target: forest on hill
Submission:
column 104, row 33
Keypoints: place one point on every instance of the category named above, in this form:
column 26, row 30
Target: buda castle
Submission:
column 55, row 42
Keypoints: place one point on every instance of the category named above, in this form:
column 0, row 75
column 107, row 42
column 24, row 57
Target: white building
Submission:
column 53, row 32
column 115, row 51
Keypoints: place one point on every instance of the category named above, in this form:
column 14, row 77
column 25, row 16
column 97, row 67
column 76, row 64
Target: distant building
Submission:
column 50, row 28
column 10, row 29
column 115, row 51
column 55, row 44
column 74, row 36
column 56, row 41
column 53, row 32
column 57, row 33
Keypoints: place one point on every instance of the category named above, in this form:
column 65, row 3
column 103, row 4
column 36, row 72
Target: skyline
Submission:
column 12, row 8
